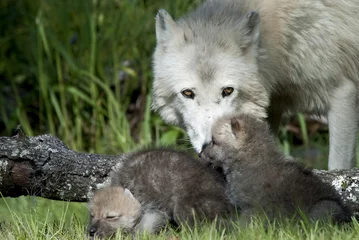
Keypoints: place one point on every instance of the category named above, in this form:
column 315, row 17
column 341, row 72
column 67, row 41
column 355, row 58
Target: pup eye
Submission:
column 188, row 93
column 112, row 217
column 227, row 91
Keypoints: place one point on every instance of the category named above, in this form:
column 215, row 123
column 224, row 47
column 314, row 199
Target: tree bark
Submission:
column 44, row 166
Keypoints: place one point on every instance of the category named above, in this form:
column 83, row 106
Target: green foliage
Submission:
column 81, row 70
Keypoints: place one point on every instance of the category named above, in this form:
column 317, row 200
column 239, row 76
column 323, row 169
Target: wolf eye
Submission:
column 112, row 216
column 227, row 91
column 188, row 93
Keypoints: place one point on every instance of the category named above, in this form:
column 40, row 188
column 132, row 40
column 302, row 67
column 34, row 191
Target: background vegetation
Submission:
column 81, row 70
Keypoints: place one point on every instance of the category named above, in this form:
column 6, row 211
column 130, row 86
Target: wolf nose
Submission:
column 92, row 231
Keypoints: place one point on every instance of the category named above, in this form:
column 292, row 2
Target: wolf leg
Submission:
column 343, row 118
column 152, row 221
column 246, row 217
column 184, row 215
column 329, row 210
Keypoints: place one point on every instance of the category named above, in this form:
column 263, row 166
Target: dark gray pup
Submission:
column 260, row 179
column 175, row 183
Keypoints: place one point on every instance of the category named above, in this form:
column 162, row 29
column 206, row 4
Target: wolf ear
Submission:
column 249, row 31
column 235, row 126
column 164, row 26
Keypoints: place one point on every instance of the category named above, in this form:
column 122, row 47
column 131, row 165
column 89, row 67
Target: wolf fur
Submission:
column 174, row 183
column 278, row 56
column 260, row 179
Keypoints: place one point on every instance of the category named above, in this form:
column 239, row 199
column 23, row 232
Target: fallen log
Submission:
column 44, row 166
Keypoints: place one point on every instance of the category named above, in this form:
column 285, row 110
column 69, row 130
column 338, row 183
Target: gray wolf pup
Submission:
column 174, row 183
column 260, row 179
column 261, row 57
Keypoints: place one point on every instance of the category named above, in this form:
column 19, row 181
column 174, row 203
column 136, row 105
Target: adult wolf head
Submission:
column 205, row 67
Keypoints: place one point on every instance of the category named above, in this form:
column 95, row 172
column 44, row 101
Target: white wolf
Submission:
column 264, row 57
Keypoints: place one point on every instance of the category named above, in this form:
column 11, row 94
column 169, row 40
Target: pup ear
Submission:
column 235, row 126
column 129, row 194
column 249, row 31
column 164, row 26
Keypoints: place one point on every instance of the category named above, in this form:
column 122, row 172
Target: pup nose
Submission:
column 92, row 231
column 203, row 147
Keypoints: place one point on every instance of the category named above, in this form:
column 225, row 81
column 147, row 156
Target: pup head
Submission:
column 203, row 72
column 112, row 209
column 233, row 136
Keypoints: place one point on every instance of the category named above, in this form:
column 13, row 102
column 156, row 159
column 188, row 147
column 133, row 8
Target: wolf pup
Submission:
column 174, row 183
column 261, row 57
column 115, row 208
column 112, row 208
column 260, row 179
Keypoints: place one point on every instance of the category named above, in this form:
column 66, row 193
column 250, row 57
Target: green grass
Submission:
column 43, row 227
column 41, row 209
column 38, row 218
